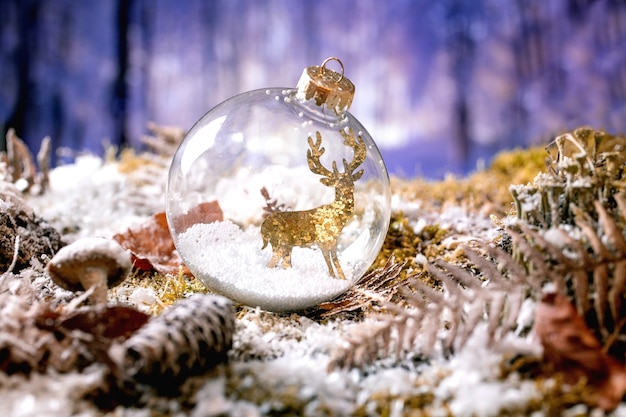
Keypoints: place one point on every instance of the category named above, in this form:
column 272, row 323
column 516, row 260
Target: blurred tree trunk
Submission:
column 61, row 71
column 439, row 84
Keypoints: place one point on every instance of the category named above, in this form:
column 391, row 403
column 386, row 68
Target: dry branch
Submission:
column 165, row 141
column 21, row 164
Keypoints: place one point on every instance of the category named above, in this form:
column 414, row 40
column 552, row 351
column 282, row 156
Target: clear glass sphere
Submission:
column 325, row 196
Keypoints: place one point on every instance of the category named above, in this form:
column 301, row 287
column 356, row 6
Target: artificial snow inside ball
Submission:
column 279, row 198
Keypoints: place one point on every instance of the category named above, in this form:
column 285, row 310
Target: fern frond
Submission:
column 586, row 261
column 374, row 289
column 606, row 264
column 371, row 340
column 591, row 268
column 464, row 301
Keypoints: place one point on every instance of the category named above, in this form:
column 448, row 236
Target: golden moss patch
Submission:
column 168, row 288
column 484, row 189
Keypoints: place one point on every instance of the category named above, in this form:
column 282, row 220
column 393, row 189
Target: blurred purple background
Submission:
column 439, row 84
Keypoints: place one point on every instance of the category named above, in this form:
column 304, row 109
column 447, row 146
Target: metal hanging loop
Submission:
column 333, row 58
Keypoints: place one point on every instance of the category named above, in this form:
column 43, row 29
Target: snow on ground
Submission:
column 306, row 284
column 279, row 362
column 93, row 198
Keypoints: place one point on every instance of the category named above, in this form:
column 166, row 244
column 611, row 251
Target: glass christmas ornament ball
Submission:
column 279, row 198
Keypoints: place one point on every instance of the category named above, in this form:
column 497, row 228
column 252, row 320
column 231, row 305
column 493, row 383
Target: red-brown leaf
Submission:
column 152, row 246
column 572, row 349
column 207, row 212
column 108, row 322
column 151, row 243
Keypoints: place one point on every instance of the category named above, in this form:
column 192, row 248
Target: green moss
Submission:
column 405, row 244
column 401, row 242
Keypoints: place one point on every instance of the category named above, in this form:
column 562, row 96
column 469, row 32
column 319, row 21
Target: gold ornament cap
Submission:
column 326, row 87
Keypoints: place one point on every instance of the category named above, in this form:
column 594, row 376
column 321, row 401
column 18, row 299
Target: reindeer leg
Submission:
column 280, row 252
column 275, row 258
column 326, row 254
column 287, row 258
column 335, row 259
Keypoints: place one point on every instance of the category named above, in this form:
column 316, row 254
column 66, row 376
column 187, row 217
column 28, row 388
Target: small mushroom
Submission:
column 90, row 262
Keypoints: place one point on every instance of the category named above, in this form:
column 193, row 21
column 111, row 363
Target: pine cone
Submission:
column 188, row 339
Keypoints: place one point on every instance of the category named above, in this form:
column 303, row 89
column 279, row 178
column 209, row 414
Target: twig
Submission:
column 43, row 160
column 16, row 250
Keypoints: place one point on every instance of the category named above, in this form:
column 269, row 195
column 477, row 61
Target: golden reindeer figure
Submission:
column 322, row 225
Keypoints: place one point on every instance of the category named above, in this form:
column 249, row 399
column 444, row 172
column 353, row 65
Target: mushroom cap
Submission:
column 71, row 262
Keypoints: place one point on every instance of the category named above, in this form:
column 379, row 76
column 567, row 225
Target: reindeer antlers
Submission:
column 360, row 152
column 317, row 150
column 313, row 156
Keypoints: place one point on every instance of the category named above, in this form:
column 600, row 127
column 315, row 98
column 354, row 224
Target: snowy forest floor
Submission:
column 279, row 363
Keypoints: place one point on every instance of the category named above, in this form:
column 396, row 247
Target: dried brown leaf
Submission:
column 207, row 212
column 152, row 246
column 573, row 350
column 151, row 243
column 111, row 322
column 37, row 337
